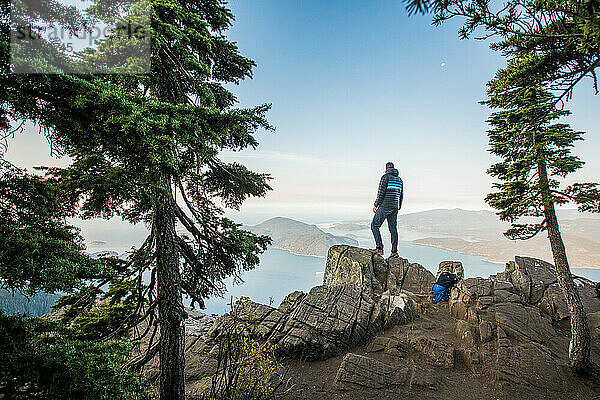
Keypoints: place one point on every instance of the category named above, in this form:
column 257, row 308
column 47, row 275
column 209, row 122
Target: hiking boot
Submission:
column 394, row 255
column 377, row 250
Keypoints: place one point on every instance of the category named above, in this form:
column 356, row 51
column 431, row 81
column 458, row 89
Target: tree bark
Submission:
column 579, row 347
column 171, row 313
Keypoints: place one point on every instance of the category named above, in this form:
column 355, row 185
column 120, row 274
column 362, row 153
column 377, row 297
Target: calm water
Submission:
column 278, row 274
column 281, row 272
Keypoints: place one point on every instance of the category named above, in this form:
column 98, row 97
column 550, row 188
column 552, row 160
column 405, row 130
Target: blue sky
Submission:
column 355, row 84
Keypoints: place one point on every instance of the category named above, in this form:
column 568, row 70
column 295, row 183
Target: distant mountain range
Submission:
column 474, row 224
column 581, row 234
column 464, row 223
column 481, row 233
column 486, row 225
column 298, row 237
column 582, row 252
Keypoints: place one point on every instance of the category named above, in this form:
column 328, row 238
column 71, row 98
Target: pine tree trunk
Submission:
column 170, row 305
column 579, row 347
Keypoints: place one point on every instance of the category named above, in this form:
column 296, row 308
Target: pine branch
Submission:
column 582, row 75
column 525, row 231
column 137, row 363
column 188, row 224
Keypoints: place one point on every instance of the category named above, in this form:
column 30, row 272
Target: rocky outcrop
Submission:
column 594, row 322
column 488, row 304
column 529, row 364
column 505, row 326
column 356, row 370
column 406, row 276
column 468, row 333
column 530, row 277
column 326, row 321
column 198, row 324
column 370, row 271
column 362, row 294
column 349, row 264
column 525, row 281
column 535, row 281
column 510, row 317
column 442, row 354
column 454, row 267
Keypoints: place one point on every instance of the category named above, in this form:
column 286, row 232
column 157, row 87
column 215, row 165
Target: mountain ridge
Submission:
column 481, row 233
column 298, row 237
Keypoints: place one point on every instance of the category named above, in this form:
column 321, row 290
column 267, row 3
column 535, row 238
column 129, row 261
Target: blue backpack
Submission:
column 441, row 288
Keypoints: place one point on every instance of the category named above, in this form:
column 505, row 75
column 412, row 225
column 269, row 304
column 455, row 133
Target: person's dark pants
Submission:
column 392, row 216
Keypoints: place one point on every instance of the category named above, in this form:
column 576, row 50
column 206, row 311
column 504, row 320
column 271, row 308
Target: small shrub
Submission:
column 247, row 368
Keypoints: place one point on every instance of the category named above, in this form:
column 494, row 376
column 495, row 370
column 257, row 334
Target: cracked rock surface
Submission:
column 326, row 321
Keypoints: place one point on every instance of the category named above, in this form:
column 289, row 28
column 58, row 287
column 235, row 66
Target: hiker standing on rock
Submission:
column 387, row 204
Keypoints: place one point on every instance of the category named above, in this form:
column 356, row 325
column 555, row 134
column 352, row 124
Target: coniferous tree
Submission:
column 188, row 116
column 41, row 252
column 535, row 153
column 139, row 143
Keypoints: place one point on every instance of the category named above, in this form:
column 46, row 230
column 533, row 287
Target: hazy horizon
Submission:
column 354, row 86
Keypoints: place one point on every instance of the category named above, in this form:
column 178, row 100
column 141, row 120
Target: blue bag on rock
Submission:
column 441, row 289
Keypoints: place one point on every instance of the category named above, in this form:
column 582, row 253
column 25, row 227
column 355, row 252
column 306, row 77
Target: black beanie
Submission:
column 389, row 165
